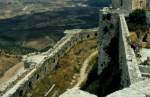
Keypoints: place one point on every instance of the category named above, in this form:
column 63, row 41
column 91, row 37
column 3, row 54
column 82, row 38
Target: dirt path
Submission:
column 83, row 71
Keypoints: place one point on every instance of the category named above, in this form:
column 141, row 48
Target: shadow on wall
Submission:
column 110, row 79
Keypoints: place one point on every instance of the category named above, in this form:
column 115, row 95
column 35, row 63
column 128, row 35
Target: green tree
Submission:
column 138, row 16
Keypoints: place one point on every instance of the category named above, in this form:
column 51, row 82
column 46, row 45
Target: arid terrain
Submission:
column 7, row 61
column 38, row 26
column 28, row 27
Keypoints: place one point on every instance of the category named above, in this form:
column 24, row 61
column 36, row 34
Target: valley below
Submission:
column 40, row 29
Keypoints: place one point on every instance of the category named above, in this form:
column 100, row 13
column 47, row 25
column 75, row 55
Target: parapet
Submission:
column 75, row 92
column 140, row 89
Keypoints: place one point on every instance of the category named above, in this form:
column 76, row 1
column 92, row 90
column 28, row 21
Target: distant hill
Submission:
column 99, row 3
column 27, row 27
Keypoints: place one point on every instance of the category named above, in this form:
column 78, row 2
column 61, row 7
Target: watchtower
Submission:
column 130, row 4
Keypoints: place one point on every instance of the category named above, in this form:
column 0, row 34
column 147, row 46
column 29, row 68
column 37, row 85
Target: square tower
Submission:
column 139, row 4
column 129, row 4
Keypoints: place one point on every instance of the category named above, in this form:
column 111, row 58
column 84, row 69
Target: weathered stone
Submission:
column 76, row 93
column 129, row 4
column 127, row 93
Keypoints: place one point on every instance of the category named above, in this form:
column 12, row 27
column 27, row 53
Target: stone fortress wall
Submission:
column 131, row 78
column 114, row 25
column 49, row 62
column 107, row 31
column 127, row 59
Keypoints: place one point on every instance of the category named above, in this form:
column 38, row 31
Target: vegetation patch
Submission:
column 138, row 16
column 7, row 61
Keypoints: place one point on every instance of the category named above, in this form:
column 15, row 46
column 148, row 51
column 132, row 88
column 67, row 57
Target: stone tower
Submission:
column 129, row 4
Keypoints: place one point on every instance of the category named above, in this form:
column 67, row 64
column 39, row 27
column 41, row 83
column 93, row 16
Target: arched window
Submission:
column 45, row 69
column 30, row 84
column 111, row 26
column 141, row 3
column 37, row 76
column 53, row 60
column 95, row 34
column 20, row 93
column 109, row 16
column 88, row 36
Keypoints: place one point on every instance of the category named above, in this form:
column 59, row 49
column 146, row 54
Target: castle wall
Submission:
column 116, row 4
column 139, row 89
column 49, row 63
column 122, row 4
column 127, row 58
column 127, row 4
column 108, row 30
column 130, row 74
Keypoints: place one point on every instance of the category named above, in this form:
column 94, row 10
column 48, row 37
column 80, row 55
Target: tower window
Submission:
column 141, row 3
column 30, row 84
column 20, row 93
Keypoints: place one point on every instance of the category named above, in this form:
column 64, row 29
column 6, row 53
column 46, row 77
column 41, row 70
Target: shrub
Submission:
column 138, row 16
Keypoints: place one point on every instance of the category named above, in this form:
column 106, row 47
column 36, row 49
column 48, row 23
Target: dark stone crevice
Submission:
column 110, row 78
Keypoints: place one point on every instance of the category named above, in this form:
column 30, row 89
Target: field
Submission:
column 31, row 33
column 7, row 61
